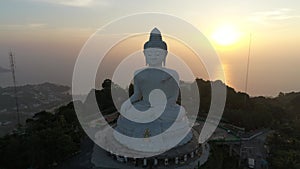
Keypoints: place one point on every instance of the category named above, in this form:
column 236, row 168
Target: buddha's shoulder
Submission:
column 139, row 71
column 163, row 69
column 171, row 72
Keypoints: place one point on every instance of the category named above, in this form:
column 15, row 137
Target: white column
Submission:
column 166, row 161
column 192, row 154
column 176, row 160
column 155, row 161
column 120, row 159
column 145, row 162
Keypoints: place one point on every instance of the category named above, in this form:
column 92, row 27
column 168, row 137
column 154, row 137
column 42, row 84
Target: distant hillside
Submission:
column 3, row 70
column 33, row 98
column 64, row 132
column 240, row 109
column 252, row 112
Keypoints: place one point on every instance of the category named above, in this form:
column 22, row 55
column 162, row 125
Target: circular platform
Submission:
column 190, row 155
column 106, row 137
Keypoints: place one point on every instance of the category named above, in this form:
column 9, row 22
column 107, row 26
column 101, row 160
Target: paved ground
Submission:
column 200, row 161
column 256, row 149
column 81, row 160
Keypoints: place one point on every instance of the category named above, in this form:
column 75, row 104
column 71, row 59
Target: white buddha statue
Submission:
column 152, row 109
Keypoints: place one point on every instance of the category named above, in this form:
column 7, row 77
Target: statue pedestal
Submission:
column 115, row 147
column 156, row 144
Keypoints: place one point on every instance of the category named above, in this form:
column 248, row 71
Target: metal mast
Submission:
column 12, row 67
column 248, row 64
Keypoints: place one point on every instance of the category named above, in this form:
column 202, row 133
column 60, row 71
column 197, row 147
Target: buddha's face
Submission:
column 155, row 56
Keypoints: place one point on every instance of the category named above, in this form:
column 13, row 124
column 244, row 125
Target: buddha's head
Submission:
column 155, row 50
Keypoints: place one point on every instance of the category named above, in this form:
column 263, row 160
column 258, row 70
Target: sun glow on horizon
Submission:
column 226, row 35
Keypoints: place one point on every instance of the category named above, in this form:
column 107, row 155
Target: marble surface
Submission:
column 153, row 113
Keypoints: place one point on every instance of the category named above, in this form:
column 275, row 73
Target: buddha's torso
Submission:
column 163, row 79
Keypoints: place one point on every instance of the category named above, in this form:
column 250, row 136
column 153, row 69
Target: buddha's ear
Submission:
column 166, row 52
column 146, row 60
column 164, row 58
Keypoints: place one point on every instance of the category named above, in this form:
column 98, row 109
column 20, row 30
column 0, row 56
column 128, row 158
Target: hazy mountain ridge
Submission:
column 63, row 128
column 4, row 70
column 252, row 112
column 33, row 98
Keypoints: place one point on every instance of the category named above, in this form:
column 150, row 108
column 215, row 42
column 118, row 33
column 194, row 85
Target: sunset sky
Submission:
column 47, row 36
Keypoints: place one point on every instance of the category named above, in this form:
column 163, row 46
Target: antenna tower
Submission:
column 12, row 67
column 248, row 64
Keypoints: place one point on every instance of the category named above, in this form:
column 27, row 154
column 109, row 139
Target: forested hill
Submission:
column 50, row 138
column 33, row 98
column 253, row 112
column 240, row 109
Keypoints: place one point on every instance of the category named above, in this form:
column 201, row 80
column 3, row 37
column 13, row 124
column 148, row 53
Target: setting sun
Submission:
column 226, row 35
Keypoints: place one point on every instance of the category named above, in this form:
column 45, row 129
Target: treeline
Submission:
column 284, row 146
column 49, row 138
column 252, row 112
column 220, row 159
column 280, row 114
column 46, row 140
column 284, row 143
column 240, row 109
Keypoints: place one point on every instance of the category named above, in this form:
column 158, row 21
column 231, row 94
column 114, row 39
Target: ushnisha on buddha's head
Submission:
column 155, row 50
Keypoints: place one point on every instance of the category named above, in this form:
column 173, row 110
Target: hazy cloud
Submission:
column 76, row 3
column 37, row 25
column 273, row 15
column 23, row 26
